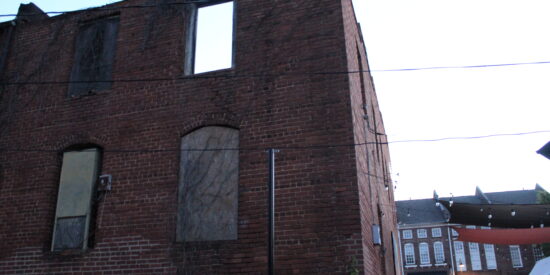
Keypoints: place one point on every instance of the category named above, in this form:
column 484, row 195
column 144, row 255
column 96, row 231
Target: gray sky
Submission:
column 431, row 104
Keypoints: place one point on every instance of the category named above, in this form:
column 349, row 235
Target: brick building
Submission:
column 429, row 245
column 120, row 154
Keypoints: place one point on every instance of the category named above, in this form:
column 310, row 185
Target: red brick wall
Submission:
column 324, row 201
column 502, row 254
column 372, row 159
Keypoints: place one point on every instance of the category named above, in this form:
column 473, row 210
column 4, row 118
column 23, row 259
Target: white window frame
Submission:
column 475, row 257
column 436, row 232
column 439, row 253
column 424, row 253
column 460, row 256
column 421, row 233
column 409, row 254
column 490, row 257
column 515, row 256
column 538, row 254
column 407, row 234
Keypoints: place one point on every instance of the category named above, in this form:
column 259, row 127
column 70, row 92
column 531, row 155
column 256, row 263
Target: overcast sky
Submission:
column 431, row 104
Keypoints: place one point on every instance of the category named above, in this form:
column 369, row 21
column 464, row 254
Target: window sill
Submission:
column 89, row 94
column 410, row 266
column 221, row 72
column 425, row 265
column 441, row 264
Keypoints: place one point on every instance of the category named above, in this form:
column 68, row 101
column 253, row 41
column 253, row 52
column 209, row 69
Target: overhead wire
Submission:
column 258, row 75
column 106, row 8
column 309, row 147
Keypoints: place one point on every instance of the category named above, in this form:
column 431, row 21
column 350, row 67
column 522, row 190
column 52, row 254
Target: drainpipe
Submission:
column 402, row 264
column 451, row 250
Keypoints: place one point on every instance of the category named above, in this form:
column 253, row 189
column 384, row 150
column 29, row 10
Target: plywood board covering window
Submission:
column 208, row 186
column 79, row 172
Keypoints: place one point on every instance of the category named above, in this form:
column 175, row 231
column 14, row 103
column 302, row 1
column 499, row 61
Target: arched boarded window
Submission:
column 208, row 185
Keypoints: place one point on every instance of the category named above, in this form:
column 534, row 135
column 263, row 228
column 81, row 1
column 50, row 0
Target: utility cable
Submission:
column 311, row 147
column 228, row 76
column 105, row 8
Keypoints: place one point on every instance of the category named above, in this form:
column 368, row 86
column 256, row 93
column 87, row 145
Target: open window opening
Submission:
column 210, row 42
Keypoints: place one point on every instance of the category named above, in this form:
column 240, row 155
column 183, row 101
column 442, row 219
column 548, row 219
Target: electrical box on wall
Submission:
column 104, row 183
column 376, row 238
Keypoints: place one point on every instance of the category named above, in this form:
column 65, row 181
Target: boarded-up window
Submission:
column 208, row 185
column 74, row 200
column 94, row 56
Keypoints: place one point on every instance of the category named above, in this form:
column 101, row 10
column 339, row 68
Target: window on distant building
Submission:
column 439, row 253
column 475, row 258
column 75, row 199
column 407, row 234
column 424, row 252
column 436, row 232
column 537, row 252
column 515, row 255
column 490, row 257
column 208, row 185
column 460, row 257
column 421, row 233
column 409, row 254
column 94, row 56
column 210, row 38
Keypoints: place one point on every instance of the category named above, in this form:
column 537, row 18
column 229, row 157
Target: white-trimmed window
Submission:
column 475, row 258
column 515, row 255
column 421, row 233
column 490, row 256
column 409, row 254
column 439, row 253
column 424, row 251
column 460, row 257
column 407, row 234
column 537, row 252
column 436, row 232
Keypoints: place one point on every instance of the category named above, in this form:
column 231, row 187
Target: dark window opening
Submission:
column 94, row 57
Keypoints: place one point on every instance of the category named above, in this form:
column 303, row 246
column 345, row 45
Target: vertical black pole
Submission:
column 271, row 211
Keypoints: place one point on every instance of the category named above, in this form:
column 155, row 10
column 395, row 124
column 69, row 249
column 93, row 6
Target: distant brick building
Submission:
column 429, row 245
column 120, row 154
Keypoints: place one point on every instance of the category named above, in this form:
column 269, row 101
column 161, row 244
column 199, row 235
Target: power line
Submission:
column 193, row 77
column 103, row 8
column 464, row 67
column 471, row 137
column 310, row 147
